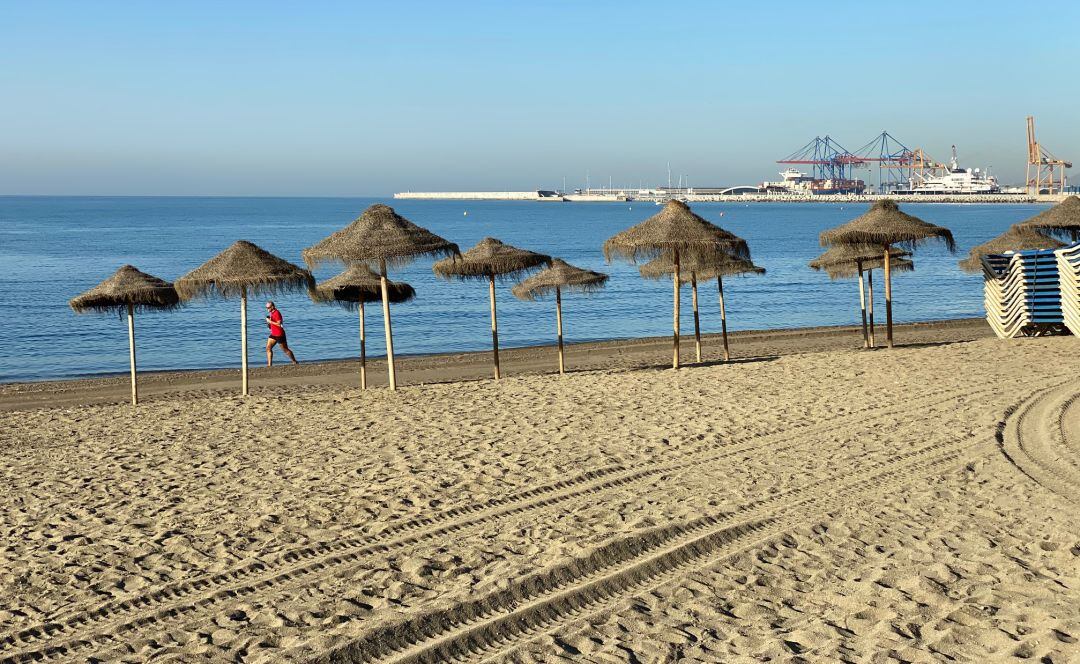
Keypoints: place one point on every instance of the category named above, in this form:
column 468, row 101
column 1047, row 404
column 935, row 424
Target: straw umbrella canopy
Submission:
column 1063, row 219
column 1019, row 237
column 125, row 292
column 843, row 261
column 883, row 227
column 240, row 269
column 380, row 236
column 679, row 234
column 561, row 275
column 717, row 267
column 850, row 270
column 351, row 289
column 846, row 261
column 489, row 259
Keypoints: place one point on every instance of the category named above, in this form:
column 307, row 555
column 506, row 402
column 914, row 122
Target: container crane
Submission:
column 894, row 161
column 1045, row 172
column 829, row 160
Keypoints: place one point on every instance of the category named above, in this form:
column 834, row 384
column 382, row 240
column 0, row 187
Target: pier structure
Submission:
column 747, row 194
column 538, row 195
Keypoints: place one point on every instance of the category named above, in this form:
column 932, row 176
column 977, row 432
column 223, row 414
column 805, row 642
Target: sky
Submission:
column 356, row 98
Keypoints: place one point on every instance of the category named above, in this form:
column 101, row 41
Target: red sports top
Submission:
column 275, row 330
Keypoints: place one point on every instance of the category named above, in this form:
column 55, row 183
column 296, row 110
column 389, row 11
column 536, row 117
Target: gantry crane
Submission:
column 1045, row 172
column 898, row 166
column 828, row 159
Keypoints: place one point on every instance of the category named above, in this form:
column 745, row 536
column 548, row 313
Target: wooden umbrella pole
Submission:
column 494, row 326
column 243, row 342
column 862, row 306
column 697, row 320
column 558, row 320
column 888, row 299
column 131, row 353
column 386, row 325
column 675, row 337
column 870, row 304
column 723, row 316
column 363, row 351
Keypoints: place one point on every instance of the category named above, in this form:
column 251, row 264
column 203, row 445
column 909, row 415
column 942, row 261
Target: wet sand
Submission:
column 811, row 502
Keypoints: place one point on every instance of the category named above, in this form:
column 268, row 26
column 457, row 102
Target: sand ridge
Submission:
column 835, row 505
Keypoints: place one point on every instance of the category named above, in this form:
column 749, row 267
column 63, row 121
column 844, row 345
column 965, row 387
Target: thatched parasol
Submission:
column 1019, row 237
column 561, row 275
column 1063, row 219
column 489, row 259
column 127, row 291
column 380, row 236
column 716, row 267
column 351, row 289
column 238, row 270
column 845, row 261
column 680, row 235
column 883, row 227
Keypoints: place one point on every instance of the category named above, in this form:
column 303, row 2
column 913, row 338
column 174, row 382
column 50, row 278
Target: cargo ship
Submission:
column 797, row 182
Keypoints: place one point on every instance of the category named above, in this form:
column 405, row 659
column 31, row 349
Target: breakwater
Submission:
column 477, row 195
column 870, row 198
column 552, row 196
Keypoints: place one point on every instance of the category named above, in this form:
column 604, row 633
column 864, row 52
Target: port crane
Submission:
column 898, row 166
column 828, row 159
column 1045, row 172
column 894, row 161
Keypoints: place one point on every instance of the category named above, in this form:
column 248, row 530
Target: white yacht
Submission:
column 956, row 181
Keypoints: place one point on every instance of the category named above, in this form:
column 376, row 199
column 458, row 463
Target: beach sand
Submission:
column 831, row 504
column 454, row 367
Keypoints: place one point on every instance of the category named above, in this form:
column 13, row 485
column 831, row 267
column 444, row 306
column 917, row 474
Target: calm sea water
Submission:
column 52, row 248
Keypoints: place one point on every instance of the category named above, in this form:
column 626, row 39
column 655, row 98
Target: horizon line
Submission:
column 194, row 196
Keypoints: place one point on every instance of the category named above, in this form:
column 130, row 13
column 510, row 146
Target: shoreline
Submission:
column 436, row 368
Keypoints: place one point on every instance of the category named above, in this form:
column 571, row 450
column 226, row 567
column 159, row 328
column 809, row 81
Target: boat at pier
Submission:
column 956, row 180
column 797, row 182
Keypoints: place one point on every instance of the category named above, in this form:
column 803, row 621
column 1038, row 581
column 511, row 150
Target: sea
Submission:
column 53, row 248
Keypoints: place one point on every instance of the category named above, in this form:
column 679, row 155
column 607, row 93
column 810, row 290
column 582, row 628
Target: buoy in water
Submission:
column 465, row 213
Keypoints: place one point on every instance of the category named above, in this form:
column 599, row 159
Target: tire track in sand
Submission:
column 980, row 448
column 117, row 619
column 542, row 601
column 1038, row 440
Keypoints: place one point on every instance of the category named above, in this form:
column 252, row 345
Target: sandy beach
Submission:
column 452, row 367
column 808, row 502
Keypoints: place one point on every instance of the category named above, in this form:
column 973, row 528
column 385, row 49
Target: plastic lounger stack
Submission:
column 1022, row 294
column 1068, row 261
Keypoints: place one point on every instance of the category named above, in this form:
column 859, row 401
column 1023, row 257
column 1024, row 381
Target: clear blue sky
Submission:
column 319, row 98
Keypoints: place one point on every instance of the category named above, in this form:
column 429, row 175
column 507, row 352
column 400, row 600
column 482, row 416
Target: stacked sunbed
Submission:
column 1068, row 263
column 1022, row 294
